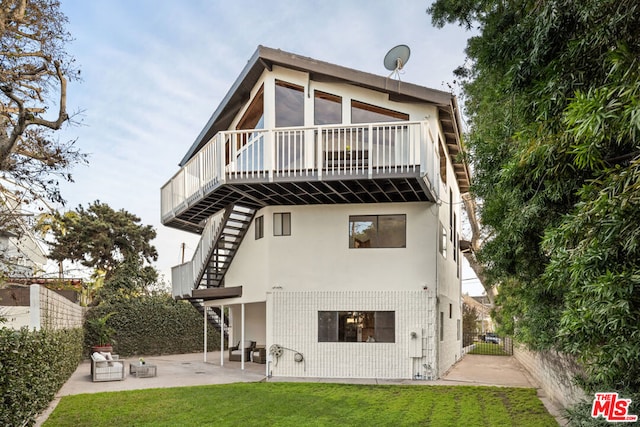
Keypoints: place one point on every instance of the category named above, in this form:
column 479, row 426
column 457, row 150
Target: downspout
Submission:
column 437, row 313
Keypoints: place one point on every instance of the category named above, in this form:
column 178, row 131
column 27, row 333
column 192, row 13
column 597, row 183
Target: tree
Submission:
column 102, row 238
column 469, row 324
column 553, row 100
column 34, row 71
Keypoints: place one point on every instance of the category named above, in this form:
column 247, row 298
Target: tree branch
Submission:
column 62, row 112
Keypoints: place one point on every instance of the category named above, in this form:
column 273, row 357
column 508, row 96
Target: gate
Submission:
column 488, row 343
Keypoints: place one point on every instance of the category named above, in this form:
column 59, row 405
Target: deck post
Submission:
column 370, row 148
column 222, row 335
column 205, row 333
column 268, row 154
column 242, row 339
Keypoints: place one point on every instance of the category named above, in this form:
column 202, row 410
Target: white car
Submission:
column 492, row 338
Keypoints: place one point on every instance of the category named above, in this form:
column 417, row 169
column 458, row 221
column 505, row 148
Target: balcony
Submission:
column 364, row 163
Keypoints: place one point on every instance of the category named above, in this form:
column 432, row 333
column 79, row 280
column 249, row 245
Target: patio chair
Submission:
column 106, row 367
column 259, row 355
column 235, row 353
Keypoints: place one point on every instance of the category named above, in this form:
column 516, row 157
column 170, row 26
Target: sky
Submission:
column 153, row 72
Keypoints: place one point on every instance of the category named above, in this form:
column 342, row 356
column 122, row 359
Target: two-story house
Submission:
column 328, row 200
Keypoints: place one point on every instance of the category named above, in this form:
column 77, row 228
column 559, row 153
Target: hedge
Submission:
column 154, row 325
column 33, row 367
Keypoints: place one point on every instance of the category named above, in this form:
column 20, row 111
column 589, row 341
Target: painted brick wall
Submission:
column 554, row 372
column 53, row 311
column 295, row 327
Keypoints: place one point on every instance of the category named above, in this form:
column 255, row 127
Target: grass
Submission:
column 488, row 349
column 305, row 404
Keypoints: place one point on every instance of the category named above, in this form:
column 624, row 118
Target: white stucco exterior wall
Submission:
column 314, row 269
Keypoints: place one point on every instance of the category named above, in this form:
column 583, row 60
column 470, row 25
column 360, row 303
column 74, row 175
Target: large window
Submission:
column 367, row 113
column 378, row 231
column 327, row 109
column 289, row 104
column 356, row 326
column 246, row 149
column 282, row 224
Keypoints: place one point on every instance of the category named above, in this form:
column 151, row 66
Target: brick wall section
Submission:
column 295, row 327
column 53, row 311
column 554, row 372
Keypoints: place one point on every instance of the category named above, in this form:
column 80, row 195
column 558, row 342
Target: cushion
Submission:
column 247, row 344
column 101, row 360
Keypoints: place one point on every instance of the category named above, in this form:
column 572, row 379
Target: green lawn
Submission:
column 488, row 348
column 305, row 404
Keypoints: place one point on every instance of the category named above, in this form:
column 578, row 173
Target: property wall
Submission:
column 554, row 372
column 53, row 311
column 294, row 323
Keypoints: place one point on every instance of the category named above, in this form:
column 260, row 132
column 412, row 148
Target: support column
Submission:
column 205, row 333
column 222, row 335
column 242, row 339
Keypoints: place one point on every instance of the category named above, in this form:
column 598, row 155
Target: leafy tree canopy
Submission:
column 102, row 238
column 552, row 93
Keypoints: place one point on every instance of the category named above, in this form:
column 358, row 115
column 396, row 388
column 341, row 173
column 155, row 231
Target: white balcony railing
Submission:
column 321, row 151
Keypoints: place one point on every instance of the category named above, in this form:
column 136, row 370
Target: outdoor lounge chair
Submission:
column 106, row 367
column 235, row 353
column 259, row 355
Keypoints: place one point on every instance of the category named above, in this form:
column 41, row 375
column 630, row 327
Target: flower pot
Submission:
column 102, row 348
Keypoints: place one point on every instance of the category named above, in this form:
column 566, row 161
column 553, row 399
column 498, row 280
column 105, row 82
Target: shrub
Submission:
column 152, row 325
column 33, row 367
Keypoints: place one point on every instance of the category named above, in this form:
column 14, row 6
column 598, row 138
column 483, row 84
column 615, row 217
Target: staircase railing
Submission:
column 183, row 276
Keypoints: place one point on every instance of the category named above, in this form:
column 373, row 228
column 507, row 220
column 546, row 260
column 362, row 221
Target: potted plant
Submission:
column 102, row 333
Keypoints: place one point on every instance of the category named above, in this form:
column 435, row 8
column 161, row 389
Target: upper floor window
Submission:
column 289, row 104
column 442, row 245
column 282, row 224
column 378, row 231
column 259, row 227
column 253, row 118
column 327, row 109
column 367, row 113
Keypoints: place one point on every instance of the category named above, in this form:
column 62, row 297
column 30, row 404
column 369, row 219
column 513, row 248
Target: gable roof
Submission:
column 266, row 58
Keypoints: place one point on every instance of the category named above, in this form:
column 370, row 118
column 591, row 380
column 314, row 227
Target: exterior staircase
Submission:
column 215, row 252
column 234, row 226
column 214, row 316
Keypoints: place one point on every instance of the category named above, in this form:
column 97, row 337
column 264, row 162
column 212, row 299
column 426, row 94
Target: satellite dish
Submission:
column 396, row 58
